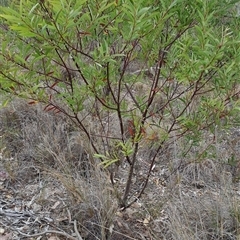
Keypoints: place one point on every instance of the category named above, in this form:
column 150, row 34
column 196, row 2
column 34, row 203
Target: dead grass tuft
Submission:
column 187, row 197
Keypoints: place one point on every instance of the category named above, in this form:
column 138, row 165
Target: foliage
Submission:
column 129, row 74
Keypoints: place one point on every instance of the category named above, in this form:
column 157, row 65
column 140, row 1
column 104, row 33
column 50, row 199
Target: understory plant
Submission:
column 132, row 75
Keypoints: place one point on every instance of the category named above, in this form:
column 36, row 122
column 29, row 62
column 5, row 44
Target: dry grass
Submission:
column 187, row 197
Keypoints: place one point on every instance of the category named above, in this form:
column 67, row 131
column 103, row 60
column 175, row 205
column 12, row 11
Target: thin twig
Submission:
column 115, row 231
column 76, row 230
column 46, row 232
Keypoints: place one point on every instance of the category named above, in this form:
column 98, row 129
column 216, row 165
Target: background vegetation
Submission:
column 127, row 99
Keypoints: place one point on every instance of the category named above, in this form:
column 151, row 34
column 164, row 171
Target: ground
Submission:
column 47, row 192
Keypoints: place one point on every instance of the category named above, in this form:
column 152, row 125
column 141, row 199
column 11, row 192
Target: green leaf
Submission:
column 10, row 18
column 33, row 8
column 101, row 156
column 104, row 7
column 23, row 31
column 108, row 163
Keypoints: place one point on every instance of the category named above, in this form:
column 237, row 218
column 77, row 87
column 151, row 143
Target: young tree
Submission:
column 129, row 74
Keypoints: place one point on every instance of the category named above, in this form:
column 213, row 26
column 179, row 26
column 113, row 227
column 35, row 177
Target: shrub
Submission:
column 131, row 75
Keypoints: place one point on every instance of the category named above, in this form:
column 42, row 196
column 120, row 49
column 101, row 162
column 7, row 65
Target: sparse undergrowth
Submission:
column 197, row 200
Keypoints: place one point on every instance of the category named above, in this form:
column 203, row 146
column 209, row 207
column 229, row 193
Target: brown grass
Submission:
column 188, row 197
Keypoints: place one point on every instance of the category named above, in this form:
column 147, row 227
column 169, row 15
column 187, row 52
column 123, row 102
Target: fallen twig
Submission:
column 46, row 232
column 76, row 230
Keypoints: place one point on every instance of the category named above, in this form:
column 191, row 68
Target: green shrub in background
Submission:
column 129, row 74
column 4, row 2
